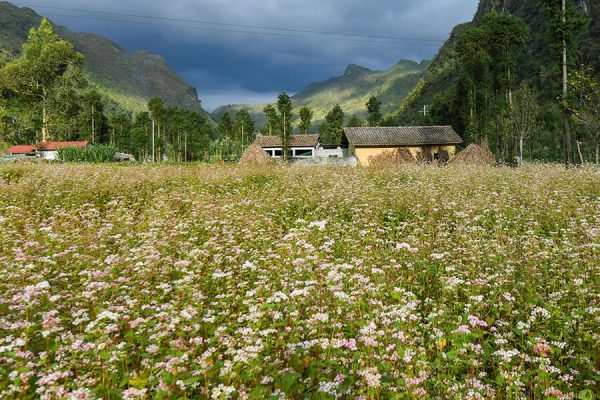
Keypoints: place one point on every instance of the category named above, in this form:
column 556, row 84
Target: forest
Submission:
column 523, row 76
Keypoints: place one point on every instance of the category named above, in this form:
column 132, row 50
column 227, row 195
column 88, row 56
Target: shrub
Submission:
column 96, row 154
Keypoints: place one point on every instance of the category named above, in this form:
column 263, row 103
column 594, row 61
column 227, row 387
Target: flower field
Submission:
column 200, row 282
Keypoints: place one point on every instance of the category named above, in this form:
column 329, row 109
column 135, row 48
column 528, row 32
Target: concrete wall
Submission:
column 364, row 153
column 327, row 161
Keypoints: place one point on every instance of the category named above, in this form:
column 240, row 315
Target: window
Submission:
column 303, row 153
column 277, row 153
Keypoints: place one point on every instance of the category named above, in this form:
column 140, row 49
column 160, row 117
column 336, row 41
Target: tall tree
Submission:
column 565, row 22
column 225, row 128
column 94, row 124
column 333, row 128
column 157, row 112
column 586, row 107
column 243, row 125
column 45, row 61
column 272, row 124
column 524, row 116
column 374, row 109
column 284, row 106
column 306, row 116
column 355, row 121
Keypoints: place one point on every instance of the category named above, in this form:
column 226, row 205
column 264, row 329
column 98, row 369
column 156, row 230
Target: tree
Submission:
column 243, row 125
column 565, row 23
column 306, row 116
column 94, row 123
column 524, row 116
column 333, row 128
column 157, row 111
column 272, row 125
column 45, row 61
column 586, row 107
column 355, row 121
column 284, row 106
column 225, row 128
column 374, row 109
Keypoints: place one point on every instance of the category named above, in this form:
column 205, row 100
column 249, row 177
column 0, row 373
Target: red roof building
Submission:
column 55, row 146
column 21, row 150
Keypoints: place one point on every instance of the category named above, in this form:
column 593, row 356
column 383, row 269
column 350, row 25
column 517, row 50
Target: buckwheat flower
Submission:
column 371, row 377
column 249, row 265
column 222, row 392
column 185, row 315
column 183, row 263
column 134, row 394
column 152, row 349
column 107, row 315
column 318, row 224
column 266, row 380
column 320, row 317
column 42, row 285
column 475, row 322
column 463, row 329
column 508, row 297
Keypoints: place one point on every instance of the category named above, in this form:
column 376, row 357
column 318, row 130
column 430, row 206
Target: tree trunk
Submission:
column 566, row 127
column 521, row 150
column 93, row 124
column 579, row 151
column 45, row 133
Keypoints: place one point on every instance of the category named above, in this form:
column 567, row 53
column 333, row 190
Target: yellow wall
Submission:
column 364, row 153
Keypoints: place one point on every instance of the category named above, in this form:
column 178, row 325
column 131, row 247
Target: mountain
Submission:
column 129, row 79
column 351, row 91
column 535, row 61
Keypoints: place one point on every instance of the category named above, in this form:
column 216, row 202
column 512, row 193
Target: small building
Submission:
column 368, row 143
column 300, row 146
column 24, row 150
column 49, row 150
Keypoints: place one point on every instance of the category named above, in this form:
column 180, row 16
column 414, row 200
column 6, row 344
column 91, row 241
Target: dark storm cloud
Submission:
column 234, row 67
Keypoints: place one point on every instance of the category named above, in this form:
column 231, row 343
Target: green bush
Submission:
column 96, row 154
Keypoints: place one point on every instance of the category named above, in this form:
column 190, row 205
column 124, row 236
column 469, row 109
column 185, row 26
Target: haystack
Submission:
column 475, row 154
column 255, row 155
column 393, row 157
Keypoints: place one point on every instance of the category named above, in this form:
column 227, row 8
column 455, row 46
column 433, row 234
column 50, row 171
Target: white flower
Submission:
column 42, row 285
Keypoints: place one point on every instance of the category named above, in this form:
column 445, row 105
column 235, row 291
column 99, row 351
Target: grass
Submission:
column 197, row 282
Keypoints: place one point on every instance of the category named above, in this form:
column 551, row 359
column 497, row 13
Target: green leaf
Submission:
column 586, row 395
column 289, row 380
column 258, row 392
column 451, row 355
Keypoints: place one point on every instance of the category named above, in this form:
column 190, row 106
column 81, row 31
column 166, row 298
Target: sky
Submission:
column 247, row 51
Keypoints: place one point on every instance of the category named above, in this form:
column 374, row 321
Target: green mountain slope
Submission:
column 128, row 79
column 351, row 91
column 534, row 64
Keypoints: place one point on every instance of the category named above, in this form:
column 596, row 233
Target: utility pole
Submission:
column 565, row 92
column 152, row 141
column 424, row 112
column 93, row 123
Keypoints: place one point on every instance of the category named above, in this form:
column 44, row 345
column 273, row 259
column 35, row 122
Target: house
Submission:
column 300, row 146
column 21, row 151
column 434, row 142
column 49, row 150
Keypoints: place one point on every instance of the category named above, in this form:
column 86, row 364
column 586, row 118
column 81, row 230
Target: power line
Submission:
column 203, row 22
column 225, row 30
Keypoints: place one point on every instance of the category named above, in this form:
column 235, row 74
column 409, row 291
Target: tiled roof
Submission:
column 402, row 136
column 53, row 146
column 295, row 141
column 21, row 149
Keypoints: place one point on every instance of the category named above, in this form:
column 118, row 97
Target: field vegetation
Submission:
column 273, row 282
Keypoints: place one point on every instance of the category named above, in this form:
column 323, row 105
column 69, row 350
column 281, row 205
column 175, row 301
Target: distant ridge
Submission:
column 351, row 91
column 129, row 79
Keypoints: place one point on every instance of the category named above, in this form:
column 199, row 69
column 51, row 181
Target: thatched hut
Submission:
column 255, row 155
column 475, row 154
